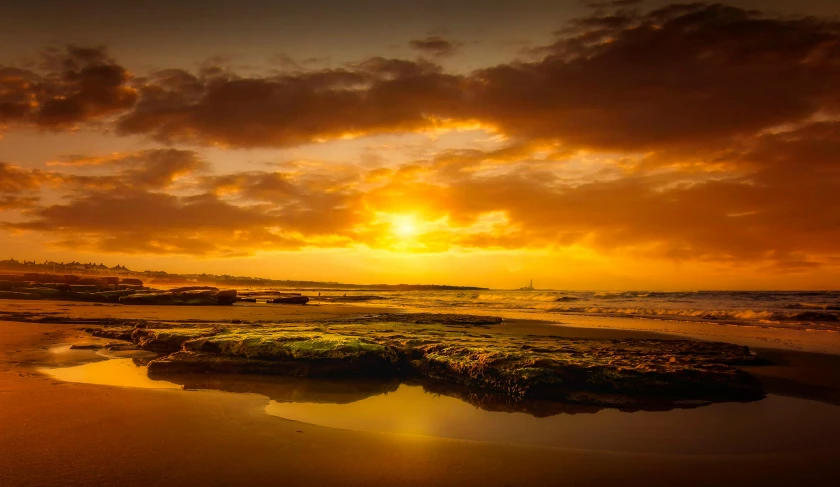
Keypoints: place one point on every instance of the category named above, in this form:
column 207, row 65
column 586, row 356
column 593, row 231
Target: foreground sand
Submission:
column 64, row 434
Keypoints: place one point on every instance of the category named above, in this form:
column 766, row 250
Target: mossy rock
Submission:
column 526, row 367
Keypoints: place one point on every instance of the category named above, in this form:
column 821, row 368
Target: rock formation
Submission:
column 615, row 373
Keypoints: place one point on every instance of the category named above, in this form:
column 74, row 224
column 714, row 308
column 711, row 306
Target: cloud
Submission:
column 157, row 223
column 14, row 179
column 74, row 86
column 690, row 133
column 18, row 186
column 776, row 210
column 435, row 46
column 376, row 96
column 613, row 3
column 132, row 210
column 309, row 201
column 673, row 78
column 11, row 202
column 148, row 169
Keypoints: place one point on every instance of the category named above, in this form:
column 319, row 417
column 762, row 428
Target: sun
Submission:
column 404, row 226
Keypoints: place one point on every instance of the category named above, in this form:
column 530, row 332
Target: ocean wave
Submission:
column 812, row 311
column 706, row 314
column 513, row 296
column 822, row 306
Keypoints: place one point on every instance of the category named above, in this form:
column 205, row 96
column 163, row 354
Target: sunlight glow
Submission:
column 404, row 226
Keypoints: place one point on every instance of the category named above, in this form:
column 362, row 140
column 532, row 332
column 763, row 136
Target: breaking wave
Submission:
column 809, row 310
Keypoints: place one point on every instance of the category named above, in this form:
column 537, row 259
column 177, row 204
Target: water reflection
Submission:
column 346, row 391
column 291, row 389
column 772, row 425
column 777, row 424
column 128, row 369
column 122, row 372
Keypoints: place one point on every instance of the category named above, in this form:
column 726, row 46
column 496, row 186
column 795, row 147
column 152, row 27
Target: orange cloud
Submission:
column 18, row 186
column 691, row 132
column 149, row 169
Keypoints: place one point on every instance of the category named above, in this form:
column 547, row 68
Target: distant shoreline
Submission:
column 161, row 278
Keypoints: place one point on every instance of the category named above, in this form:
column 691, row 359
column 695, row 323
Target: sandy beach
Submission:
column 58, row 433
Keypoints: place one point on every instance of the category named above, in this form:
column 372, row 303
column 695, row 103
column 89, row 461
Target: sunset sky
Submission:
column 587, row 145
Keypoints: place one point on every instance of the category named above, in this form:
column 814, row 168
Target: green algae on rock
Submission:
column 423, row 346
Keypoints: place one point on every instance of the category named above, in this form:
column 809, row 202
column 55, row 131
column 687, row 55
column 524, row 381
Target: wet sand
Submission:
column 56, row 433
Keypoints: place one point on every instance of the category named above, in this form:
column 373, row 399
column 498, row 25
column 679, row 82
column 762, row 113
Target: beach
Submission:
column 75, row 434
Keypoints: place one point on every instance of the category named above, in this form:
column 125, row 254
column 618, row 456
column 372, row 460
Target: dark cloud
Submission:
column 73, row 86
column 435, row 46
column 613, row 3
column 678, row 76
column 808, row 154
column 377, row 96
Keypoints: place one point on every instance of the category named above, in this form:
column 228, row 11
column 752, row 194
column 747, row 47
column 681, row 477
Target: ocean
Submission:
column 794, row 320
column 793, row 310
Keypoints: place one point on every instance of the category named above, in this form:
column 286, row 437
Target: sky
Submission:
column 584, row 144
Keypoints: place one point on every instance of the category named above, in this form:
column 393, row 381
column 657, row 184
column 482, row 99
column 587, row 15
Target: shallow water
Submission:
column 775, row 424
column 121, row 372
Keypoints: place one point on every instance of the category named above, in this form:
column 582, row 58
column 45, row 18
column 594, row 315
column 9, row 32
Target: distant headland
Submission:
column 224, row 280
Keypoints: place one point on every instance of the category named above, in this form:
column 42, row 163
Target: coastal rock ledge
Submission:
column 581, row 371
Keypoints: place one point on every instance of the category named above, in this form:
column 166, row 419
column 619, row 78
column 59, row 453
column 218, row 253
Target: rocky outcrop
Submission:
column 290, row 300
column 226, row 297
column 105, row 291
column 206, row 297
column 84, row 288
column 584, row 373
column 19, row 295
column 67, row 287
column 193, row 288
column 168, row 340
column 442, row 319
column 614, row 373
column 266, row 293
column 350, row 299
